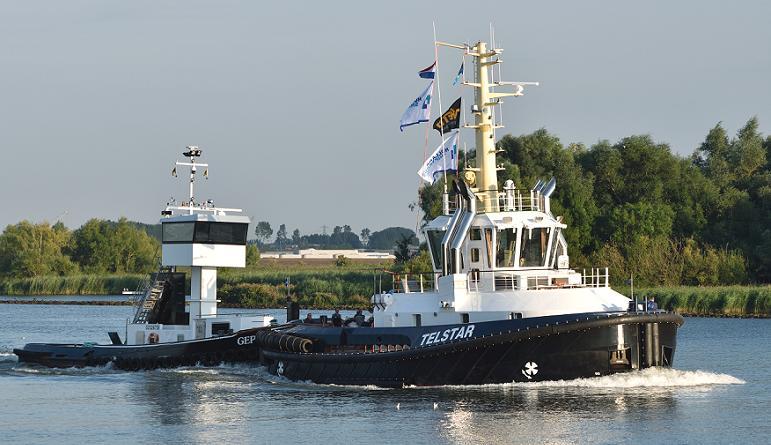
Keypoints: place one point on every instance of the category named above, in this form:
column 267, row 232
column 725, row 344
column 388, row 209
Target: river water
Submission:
column 720, row 392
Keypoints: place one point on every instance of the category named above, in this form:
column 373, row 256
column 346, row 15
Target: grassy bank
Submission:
column 720, row 301
column 325, row 286
column 314, row 287
column 70, row 285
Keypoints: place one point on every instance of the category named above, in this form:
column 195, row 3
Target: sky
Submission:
column 296, row 105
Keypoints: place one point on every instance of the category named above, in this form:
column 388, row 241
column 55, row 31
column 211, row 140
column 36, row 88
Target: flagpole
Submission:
column 425, row 154
column 439, row 97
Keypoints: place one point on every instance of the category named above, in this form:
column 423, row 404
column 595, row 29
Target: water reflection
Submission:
column 521, row 415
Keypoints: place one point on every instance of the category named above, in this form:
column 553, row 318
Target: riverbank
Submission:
column 719, row 301
column 51, row 301
column 326, row 286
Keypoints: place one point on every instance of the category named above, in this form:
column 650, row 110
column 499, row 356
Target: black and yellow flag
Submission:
column 450, row 120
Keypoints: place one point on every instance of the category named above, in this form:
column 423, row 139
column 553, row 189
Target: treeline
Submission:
column 342, row 237
column 640, row 209
column 97, row 247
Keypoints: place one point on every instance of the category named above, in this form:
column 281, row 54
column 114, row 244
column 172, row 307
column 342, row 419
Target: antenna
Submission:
column 192, row 152
column 191, row 206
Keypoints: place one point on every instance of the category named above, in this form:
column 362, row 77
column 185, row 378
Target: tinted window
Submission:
column 435, row 241
column 220, row 233
column 534, row 242
column 507, row 244
column 205, row 232
column 178, row 232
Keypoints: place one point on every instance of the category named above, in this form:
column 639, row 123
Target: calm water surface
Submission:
column 720, row 392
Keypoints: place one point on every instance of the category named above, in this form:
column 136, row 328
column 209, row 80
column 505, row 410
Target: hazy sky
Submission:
column 296, row 105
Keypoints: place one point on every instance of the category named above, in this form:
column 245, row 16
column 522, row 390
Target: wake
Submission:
column 647, row 378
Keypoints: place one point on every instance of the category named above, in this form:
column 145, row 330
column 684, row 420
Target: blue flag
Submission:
column 428, row 73
column 459, row 75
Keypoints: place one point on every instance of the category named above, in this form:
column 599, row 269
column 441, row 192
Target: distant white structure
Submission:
column 322, row 254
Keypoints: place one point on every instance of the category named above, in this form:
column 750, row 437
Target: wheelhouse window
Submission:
column 475, row 234
column 553, row 250
column 220, row 233
column 507, row 248
column 205, row 232
column 534, row 244
column 435, row 243
column 178, row 232
column 474, row 255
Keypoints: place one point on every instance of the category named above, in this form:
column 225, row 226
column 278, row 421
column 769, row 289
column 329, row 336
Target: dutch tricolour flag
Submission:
column 428, row 73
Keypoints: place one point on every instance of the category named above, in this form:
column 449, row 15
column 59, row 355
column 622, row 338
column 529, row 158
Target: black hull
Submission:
column 233, row 348
column 555, row 349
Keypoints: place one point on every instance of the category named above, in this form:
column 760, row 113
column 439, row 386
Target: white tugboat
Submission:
column 502, row 304
column 170, row 328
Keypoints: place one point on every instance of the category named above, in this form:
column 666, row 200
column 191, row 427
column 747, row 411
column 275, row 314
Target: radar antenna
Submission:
column 192, row 152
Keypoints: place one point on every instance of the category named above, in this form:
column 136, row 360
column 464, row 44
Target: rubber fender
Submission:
column 283, row 342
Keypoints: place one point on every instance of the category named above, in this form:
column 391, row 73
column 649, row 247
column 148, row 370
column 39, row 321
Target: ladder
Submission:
column 152, row 296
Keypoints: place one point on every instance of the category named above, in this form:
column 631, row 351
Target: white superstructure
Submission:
column 201, row 237
column 501, row 254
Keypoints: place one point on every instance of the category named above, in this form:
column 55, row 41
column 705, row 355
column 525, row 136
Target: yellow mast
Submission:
column 485, row 99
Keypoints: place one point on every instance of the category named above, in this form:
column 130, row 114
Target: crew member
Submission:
column 652, row 306
column 308, row 318
column 337, row 319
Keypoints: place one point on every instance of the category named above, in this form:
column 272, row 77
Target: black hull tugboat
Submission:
column 170, row 328
column 502, row 305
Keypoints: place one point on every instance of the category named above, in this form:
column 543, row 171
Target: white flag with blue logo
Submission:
column 443, row 159
column 419, row 110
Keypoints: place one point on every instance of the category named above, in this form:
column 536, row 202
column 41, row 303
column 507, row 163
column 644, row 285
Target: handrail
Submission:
column 408, row 282
column 510, row 280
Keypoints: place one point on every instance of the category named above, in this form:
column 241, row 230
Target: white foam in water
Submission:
column 7, row 357
column 650, row 378
column 647, row 378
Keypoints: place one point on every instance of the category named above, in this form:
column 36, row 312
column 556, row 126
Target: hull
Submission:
column 546, row 348
column 237, row 347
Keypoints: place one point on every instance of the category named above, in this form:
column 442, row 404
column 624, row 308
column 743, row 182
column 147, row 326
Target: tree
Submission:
column 344, row 238
column 100, row 246
column 747, row 154
column 387, row 239
column 28, row 250
column 364, row 236
column 281, row 237
column 252, row 254
column 296, row 238
column 630, row 222
column 263, row 232
column 404, row 249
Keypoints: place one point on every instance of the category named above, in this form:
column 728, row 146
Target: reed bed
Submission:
column 746, row 301
column 71, row 285
column 352, row 286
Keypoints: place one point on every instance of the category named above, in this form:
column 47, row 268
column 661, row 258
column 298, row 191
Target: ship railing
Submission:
column 505, row 201
column 501, row 280
column 404, row 283
column 597, row 277
column 511, row 201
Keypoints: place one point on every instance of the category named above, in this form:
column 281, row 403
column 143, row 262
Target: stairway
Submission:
column 152, row 296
